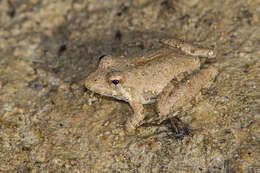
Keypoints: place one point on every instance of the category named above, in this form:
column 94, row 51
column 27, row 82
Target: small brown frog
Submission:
column 156, row 78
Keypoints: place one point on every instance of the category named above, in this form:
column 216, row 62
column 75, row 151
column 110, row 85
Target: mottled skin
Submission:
column 142, row 80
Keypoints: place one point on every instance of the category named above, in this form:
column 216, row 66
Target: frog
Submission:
column 170, row 78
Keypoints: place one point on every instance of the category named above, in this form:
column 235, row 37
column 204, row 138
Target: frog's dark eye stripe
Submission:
column 102, row 56
column 115, row 82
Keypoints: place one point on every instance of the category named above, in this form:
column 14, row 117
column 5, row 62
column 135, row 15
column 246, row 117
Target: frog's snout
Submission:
column 89, row 83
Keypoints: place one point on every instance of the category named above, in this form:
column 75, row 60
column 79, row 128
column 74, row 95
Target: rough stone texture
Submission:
column 50, row 123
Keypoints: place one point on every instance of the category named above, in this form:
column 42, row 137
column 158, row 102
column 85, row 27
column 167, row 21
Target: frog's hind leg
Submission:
column 189, row 48
column 177, row 94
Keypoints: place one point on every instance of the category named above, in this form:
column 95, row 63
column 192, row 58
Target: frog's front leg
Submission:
column 137, row 117
column 189, row 48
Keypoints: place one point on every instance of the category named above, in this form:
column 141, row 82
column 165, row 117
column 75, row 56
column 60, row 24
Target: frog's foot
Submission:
column 133, row 123
column 130, row 126
column 190, row 49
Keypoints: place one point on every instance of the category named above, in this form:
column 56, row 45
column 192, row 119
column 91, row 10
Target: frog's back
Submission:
column 150, row 75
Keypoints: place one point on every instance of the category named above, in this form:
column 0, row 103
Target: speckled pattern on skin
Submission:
column 140, row 80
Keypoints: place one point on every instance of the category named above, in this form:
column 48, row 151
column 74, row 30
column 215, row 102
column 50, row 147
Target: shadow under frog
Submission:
column 149, row 79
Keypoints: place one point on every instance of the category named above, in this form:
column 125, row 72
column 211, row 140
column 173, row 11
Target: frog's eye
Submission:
column 114, row 77
column 115, row 82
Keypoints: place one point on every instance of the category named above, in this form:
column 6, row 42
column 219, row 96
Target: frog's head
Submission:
column 106, row 80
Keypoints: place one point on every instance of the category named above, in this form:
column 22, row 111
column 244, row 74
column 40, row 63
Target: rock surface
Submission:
column 50, row 123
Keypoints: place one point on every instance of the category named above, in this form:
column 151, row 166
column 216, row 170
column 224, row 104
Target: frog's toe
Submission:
column 130, row 127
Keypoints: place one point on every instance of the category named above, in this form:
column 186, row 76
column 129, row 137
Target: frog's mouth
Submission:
column 108, row 92
column 116, row 97
column 110, row 95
